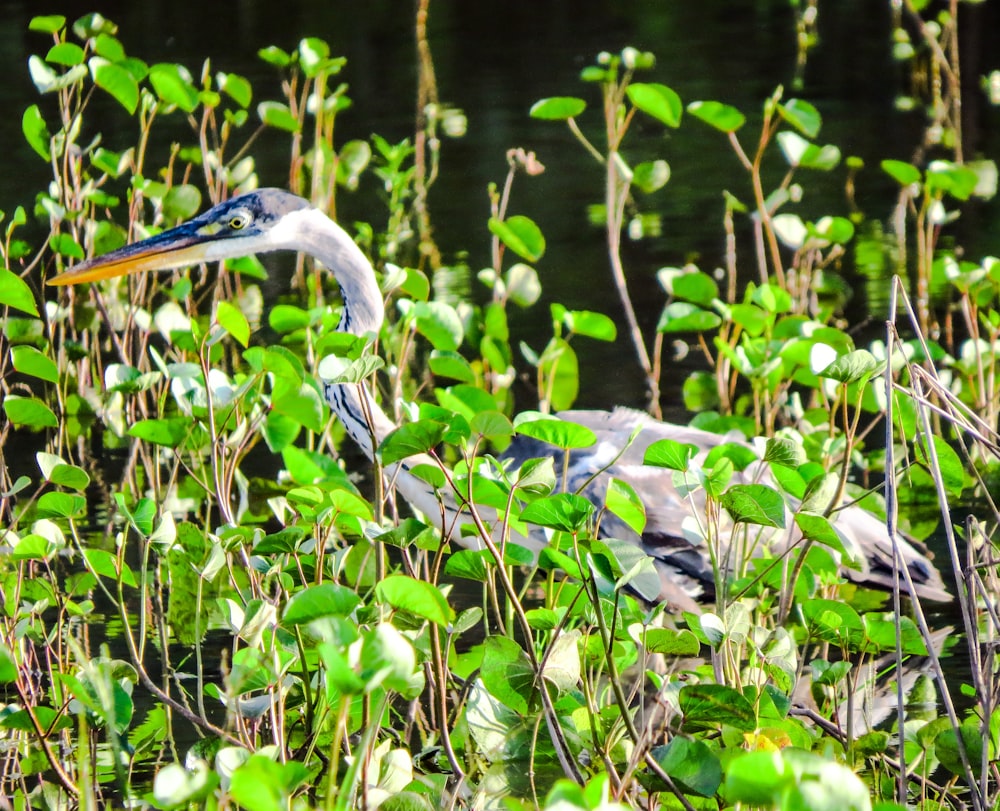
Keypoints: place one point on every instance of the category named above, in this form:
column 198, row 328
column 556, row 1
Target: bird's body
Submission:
column 272, row 219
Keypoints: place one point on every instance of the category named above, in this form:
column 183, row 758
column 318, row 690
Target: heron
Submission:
column 272, row 219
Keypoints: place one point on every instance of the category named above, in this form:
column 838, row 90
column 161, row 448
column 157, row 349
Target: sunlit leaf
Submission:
column 166, row 431
column 411, row 439
column 557, row 108
column 657, row 100
column 29, row 361
column 14, row 292
column 47, row 24
column 718, row 115
column 277, row 115
column 554, row 431
column 233, row 321
column 173, row 85
column 622, row 500
column 417, row 597
column 712, row 705
column 755, row 504
column 683, row 316
column 802, row 115
column 671, row 642
column 902, row 172
column 36, row 133
column 439, row 323
column 316, row 602
column 669, row 453
column 521, row 235
column 29, row 412
column 948, row 463
column 563, row 511
column 116, row 82
column 507, row 673
column 691, row 764
column 858, row 365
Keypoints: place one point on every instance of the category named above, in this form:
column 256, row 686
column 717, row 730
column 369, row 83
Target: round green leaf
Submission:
column 557, row 108
column 521, row 235
column 417, row 597
column 657, row 100
column 718, row 115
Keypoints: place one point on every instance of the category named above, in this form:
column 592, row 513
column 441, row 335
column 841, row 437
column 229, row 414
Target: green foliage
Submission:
column 355, row 669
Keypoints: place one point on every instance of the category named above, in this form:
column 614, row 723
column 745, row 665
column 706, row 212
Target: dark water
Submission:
column 494, row 60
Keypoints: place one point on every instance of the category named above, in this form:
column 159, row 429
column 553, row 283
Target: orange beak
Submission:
column 177, row 247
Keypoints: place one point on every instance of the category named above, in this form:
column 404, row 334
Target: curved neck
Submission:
column 321, row 237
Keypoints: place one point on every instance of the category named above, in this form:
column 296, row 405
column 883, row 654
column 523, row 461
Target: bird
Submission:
column 271, row 219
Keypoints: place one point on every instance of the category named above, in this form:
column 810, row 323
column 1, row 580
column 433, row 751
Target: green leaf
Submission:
column 173, row 85
column 903, row 173
column 8, row 666
column 181, row 202
column 233, row 321
column 166, row 431
column 562, row 662
column 61, row 505
column 557, row 108
column 105, row 564
column 47, row 24
column 14, row 292
column 493, row 425
column 507, row 674
column 657, row 100
column 277, row 115
column 274, row 55
column 802, row 115
column 802, row 153
column 554, row 431
column 439, row 323
column 116, row 82
column 141, row 516
column 671, row 642
column 36, row 133
column 521, row 235
column 317, row 602
column 948, row 463
column 670, row 453
column 651, row 176
column 622, row 500
column 411, row 439
column 593, row 325
column 417, row 597
column 690, row 285
column 443, row 363
column 712, row 705
column 261, row 784
column 834, row 621
column 66, row 246
column 853, row 367
column 236, row 87
column 71, row 476
column 66, row 54
column 29, row 361
column 683, row 316
column 755, row 504
column 718, row 115
column 691, row 764
column 568, row 512
column 29, row 412
column 560, row 366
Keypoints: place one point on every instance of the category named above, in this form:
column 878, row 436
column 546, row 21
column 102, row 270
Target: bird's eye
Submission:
column 239, row 221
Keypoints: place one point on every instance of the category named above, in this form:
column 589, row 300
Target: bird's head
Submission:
column 251, row 223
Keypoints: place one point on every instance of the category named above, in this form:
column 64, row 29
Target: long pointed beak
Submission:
column 178, row 247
